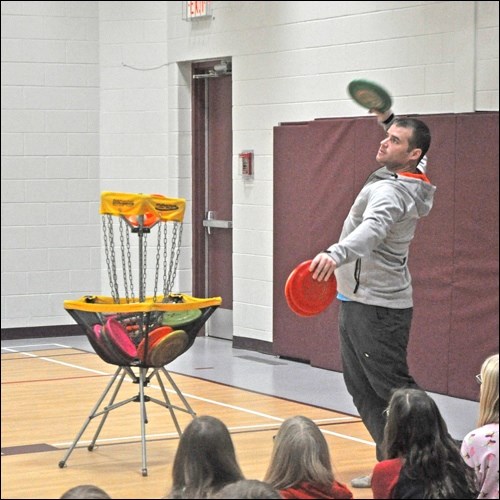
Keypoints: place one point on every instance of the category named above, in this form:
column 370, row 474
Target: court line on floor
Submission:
column 187, row 395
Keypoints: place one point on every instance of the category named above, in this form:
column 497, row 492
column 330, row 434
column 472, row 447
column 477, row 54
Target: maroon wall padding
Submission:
column 320, row 166
column 292, row 235
column 475, row 289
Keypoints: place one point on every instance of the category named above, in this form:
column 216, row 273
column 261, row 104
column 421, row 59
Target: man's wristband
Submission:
column 388, row 120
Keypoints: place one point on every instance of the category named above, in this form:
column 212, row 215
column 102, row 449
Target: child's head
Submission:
column 488, row 406
column 85, row 491
column 247, row 488
column 413, row 422
column 205, row 459
column 300, row 454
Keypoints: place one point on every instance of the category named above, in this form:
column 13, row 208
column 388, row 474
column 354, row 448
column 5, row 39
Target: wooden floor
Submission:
column 48, row 395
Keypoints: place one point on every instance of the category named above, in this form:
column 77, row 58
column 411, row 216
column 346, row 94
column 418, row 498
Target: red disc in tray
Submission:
column 100, row 344
column 307, row 296
column 118, row 335
column 97, row 331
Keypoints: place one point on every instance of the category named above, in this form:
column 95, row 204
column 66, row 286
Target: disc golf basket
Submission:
column 138, row 331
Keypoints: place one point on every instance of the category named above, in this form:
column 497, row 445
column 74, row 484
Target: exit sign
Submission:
column 197, row 10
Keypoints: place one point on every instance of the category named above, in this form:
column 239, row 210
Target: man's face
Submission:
column 393, row 151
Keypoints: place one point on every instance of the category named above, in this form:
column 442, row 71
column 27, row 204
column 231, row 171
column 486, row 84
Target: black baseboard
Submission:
column 34, row 332
column 253, row 345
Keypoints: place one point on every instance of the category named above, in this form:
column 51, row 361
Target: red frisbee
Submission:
column 292, row 304
column 100, row 344
column 307, row 296
column 153, row 338
column 118, row 335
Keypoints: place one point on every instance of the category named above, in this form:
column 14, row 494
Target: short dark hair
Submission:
column 85, row 491
column 421, row 135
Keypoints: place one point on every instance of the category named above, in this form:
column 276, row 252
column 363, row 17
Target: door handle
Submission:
column 211, row 222
column 223, row 224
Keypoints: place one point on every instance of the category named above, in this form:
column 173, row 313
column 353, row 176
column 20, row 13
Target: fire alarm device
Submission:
column 246, row 162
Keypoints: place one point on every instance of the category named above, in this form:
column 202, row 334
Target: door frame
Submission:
column 221, row 322
column 199, row 166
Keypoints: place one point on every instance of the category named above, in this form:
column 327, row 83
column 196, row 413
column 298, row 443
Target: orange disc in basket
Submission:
column 153, row 338
column 149, row 219
column 168, row 348
column 307, row 296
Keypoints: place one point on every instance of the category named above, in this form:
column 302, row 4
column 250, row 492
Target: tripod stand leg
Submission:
column 179, row 393
column 142, row 373
column 168, row 404
column 62, row 463
column 107, row 409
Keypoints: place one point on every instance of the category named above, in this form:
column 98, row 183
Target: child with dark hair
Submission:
column 422, row 459
column 205, row 460
column 89, row 491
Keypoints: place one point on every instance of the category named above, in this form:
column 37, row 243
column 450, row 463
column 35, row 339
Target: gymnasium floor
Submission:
column 215, row 360
column 49, row 386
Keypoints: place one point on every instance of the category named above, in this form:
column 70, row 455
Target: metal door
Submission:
column 212, row 191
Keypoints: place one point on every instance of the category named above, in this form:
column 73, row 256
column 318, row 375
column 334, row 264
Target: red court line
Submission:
column 52, row 379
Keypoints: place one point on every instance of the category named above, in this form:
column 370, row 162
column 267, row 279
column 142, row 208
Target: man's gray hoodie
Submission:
column 372, row 252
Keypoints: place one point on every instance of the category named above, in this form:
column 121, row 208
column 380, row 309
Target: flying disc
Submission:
column 370, row 95
column 118, row 335
column 177, row 319
column 154, row 337
column 169, row 347
column 307, row 296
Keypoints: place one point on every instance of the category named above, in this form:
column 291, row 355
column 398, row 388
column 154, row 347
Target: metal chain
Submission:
column 106, row 251
column 174, row 255
column 129, row 260
column 157, row 267
column 169, row 270
column 109, row 249
column 165, row 267
column 124, row 268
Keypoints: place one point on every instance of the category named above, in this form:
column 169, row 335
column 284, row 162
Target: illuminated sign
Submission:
column 197, row 10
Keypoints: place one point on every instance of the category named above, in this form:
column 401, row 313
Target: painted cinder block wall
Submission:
column 96, row 96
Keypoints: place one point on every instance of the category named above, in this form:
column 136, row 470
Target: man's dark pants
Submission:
column 373, row 345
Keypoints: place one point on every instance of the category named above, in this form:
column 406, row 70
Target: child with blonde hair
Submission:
column 480, row 446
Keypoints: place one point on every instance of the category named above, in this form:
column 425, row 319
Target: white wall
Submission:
column 50, row 167
column 291, row 61
column 486, row 56
column 135, row 116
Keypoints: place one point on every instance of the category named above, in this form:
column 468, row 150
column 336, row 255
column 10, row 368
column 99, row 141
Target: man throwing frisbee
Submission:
column 370, row 262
